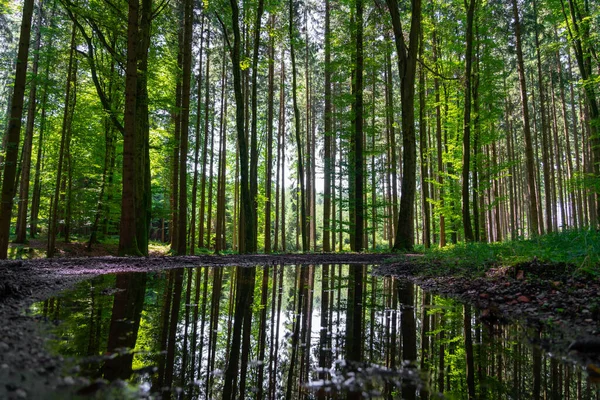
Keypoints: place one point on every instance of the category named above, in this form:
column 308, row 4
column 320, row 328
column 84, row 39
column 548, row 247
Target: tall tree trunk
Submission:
column 37, row 188
column 423, row 151
column 270, row 116
column 357, row 151
column 281, row 143
column 303, row 219
column 176, row 117
column 407, row 63
column 534, row 229
column 27, row 145
column 220, row 228
column 143, row 195
column 579, row 27
column 185, row 126
column 438, row 135
column 389, row 88
column 127, row 233
column 247, row 246
column 192, row 242
column 65, row 138
column 14, row 129
column 546, row 159
column 466, row 156
column 327, row 232
column 253, row 129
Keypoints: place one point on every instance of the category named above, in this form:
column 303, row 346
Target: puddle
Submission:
column 330, row 331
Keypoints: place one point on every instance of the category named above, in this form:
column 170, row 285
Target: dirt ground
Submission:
column 27, row 370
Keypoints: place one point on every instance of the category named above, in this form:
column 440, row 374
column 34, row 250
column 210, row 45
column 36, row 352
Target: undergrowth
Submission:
column 577, row 250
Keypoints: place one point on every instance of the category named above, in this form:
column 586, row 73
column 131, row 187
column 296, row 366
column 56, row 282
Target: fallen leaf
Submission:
column 521, row 275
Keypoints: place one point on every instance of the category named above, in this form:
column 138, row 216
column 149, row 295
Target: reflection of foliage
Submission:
column 503, row 358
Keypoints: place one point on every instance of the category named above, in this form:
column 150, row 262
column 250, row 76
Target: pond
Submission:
column 330, row 331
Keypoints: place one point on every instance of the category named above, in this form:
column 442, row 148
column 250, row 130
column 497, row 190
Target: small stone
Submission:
column 68, row 380
column 4, row 346
column 21, row 394
column 523, row 299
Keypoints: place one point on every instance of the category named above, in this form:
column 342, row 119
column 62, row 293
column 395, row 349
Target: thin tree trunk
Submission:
column 253, row 127
column 65, row 137
column 534, row 229
column 466, row 156
column 328, row 133
column 423, row 150
column 185, row 119
column 438, row 134
column 302, row 203
column 270, row 116
column 192, row 243
column 245, row 223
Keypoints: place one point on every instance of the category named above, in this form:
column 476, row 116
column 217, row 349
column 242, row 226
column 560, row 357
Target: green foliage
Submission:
column 577, row 251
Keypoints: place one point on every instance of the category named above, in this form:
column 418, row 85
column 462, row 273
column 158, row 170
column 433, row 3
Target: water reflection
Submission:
column 272, row 332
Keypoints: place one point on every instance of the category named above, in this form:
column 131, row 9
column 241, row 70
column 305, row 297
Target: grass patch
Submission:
column 577, row 250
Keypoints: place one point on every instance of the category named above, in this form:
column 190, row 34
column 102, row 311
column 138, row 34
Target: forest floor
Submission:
column 541, row 294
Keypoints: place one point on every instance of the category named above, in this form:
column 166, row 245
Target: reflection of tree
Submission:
column 242, row 318
column 354, row 320
column 408, row 330
column 302, row 289
column 124, row 324
column 469, row 352
column 213, row 324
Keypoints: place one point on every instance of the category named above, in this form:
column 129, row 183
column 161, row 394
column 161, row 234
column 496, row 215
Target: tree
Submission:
column 246, row 227
column 302, row 194
column 529, row 160
column 357, row 150
column 28, row 142
column 14, row 129
column 466, row 167
column 328, row 133
column 185, row 125
column 407, row 63
column 128, row 245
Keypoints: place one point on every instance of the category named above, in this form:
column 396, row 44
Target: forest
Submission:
column 275, row 126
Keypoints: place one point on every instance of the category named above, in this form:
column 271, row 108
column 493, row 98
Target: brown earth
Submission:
column 27, row 370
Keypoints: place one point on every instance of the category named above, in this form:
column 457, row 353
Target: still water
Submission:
column 274, row 332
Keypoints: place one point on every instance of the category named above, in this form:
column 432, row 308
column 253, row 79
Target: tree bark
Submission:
column 270, row 116
column 14, row 129
column 407, row 62
column 246, row 228
column 65, row 138
column 529, row 159
column 327, row 134
column 253, row 127
column 357, row 156
column 127, row 233
column 302, row 194
column 27, row 145
column 466, row 157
